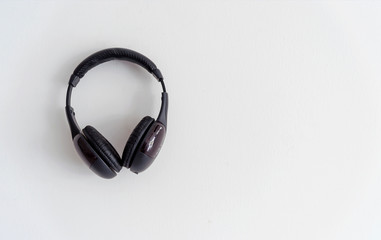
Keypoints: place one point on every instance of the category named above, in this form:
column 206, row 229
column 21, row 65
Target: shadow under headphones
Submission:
column 144, row 142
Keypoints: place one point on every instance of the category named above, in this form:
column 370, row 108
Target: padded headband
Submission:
column 114, row 54
column 105, row 56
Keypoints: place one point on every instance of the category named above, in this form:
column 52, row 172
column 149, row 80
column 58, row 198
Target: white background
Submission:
column 274, row 120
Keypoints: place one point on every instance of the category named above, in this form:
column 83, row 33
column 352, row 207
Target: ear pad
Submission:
column 134, row 140
column 103, row 147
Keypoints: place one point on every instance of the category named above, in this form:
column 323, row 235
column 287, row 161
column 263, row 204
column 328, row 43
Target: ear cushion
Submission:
column 134, row 140
column 103, row 147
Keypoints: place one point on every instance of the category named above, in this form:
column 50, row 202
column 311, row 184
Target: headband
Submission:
column 105, row 56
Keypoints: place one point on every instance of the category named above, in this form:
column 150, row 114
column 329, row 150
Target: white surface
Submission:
column 274, row 120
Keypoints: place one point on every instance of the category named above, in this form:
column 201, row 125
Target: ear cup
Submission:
column 103, row 147
column 134, row 140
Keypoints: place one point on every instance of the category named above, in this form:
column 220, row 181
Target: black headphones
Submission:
column 146, row 139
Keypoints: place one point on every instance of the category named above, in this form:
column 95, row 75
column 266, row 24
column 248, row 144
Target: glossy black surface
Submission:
column 85, row 151
column 149, row 148
column 91, row 158
column 154, row 140
column 146, row 145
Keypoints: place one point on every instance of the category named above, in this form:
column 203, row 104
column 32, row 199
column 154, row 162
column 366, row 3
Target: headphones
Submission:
column 146, row 139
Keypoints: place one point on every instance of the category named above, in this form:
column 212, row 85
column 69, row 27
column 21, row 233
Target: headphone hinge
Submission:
column 74, row 80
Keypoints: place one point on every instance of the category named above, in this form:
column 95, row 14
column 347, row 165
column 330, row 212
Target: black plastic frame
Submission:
column 81, row 143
